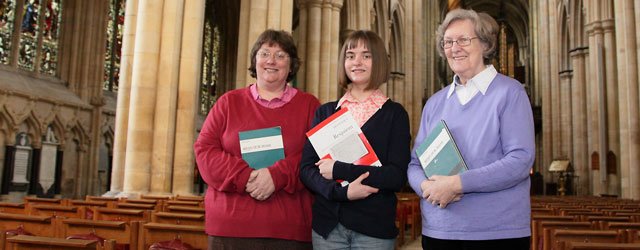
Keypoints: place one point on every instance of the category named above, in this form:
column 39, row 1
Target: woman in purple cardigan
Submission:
column 490, row 118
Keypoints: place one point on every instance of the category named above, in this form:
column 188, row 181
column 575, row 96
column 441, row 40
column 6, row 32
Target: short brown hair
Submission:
column 285, row 41
column 380, row 65
column 485, row 26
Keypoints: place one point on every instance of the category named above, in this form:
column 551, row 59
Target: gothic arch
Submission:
column 577, row 25
column 396, row 42
column 565, row 39
column 58, row 129
column 75, row 130
column 34, row 129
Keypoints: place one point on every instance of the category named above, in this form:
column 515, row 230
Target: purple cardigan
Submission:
column 495, row 135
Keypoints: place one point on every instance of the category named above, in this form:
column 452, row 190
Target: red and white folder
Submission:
column 340, row 138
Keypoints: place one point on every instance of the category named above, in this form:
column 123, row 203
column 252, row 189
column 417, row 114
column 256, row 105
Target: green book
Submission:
column 261, row 148
column 439, row 154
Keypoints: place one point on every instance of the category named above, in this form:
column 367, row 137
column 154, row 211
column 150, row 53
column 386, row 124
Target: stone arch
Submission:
column 34, row 130
column 58, row 128
column 565, row 38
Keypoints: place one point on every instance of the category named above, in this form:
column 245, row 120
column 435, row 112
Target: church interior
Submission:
column 101, row 101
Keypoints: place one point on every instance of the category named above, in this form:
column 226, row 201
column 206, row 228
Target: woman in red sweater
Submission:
column 253, row 206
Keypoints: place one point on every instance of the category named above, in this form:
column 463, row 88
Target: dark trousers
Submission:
column 429, row 243
column 232, row 243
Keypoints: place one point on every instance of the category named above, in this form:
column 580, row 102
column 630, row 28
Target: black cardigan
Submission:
column 388, row 133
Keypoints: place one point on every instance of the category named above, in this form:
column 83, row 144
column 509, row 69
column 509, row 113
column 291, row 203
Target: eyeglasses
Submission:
column 462, row 42
column 279, row 56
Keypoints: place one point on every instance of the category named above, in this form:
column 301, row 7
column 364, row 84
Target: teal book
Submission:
column 439, row 154
column 261, row 148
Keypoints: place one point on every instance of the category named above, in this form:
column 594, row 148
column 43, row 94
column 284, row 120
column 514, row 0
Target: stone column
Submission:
column 183, row 168
column 580, row 154
column 611, row 94
column 124, row 93
column 143, row 98
column 255, row 17
column 596, row 101
column 415, row 55
column 359, row 14
column 545, row 82
column 319, row 27
column 164, row 118
column 627, row 55
column 565, row 114
column 554, row 81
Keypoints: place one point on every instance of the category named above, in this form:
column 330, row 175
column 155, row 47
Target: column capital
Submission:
column 579, row 51
column 302, row 4
column 594, row 27
column 565, row 74
column 608, row 25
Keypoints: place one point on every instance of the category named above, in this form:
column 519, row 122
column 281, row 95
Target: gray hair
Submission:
column 486, row 29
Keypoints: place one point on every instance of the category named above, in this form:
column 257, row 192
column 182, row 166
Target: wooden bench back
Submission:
column 119, row 231
column 157, row 232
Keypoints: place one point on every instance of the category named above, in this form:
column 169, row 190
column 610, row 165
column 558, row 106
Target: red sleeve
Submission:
column 219, row 169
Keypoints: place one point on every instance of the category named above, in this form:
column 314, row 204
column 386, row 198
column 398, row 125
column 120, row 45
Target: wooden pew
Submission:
column 124, row 205
column 536, row 230
column 613, row 225
column 12, row 208
column 57, row 211
column 559, row 237
column 89, row 207
column 30, row 201
column 194, row 204
column 607, row 218
column 157, row 232
column 548, row 226
column 114, row 214
column 26, row 242
column 35, row 224
column 601, row 246
column 119, row 231
column 157, row 204
column 542, row 211
column 101, row 198
column 48, row 201
column 189, row 198
column 155, row 197
column 178, row 218
column 184, row 209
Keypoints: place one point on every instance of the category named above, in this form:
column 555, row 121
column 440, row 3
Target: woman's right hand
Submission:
column 356, row 190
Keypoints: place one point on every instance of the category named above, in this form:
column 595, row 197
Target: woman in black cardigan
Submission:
column 362, row 213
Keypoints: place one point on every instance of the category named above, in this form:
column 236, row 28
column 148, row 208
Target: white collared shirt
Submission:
column 479, row 83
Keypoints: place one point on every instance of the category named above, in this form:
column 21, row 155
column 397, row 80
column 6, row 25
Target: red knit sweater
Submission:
column 230, row 211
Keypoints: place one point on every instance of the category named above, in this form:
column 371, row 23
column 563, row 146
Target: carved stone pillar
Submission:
column 596, row 106
column 255, row 17
column 143, row 97
column 565, row 114
column 627, row 55
column 580, row 154
column 188, row 103
column 318, row 47
column 124, row 94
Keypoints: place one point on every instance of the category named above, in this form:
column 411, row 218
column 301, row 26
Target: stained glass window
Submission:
column 210, row 56
column 115, row 29
column 7, row 16
column 50, row 33
column 29, row 30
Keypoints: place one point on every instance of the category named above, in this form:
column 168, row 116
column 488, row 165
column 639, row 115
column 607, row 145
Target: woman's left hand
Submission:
column 441, row 190
column 326, row 168
column 260, row 185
